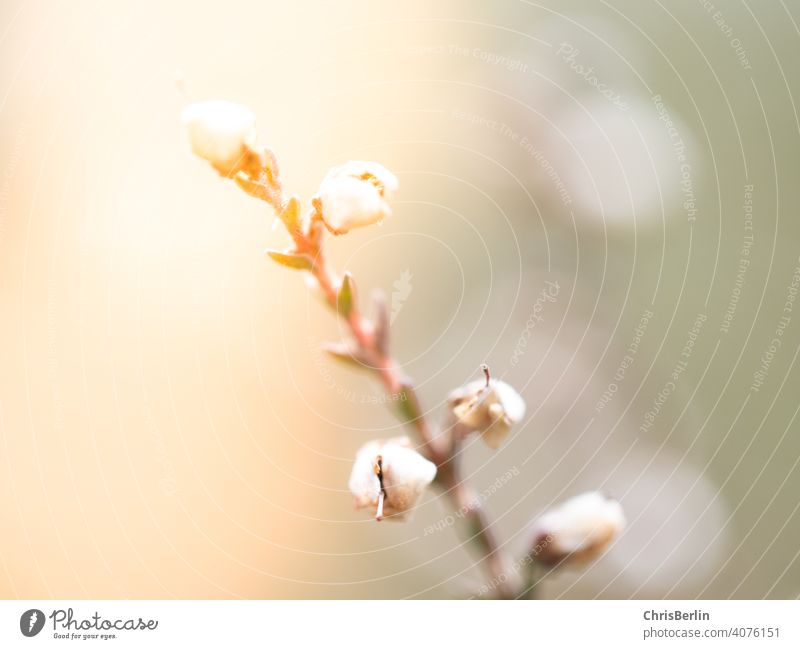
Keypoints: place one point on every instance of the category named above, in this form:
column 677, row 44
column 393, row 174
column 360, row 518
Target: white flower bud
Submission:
column 222, row 132
column 354, row 194
column 578, row 530
column 390, row 477
column 491, row 409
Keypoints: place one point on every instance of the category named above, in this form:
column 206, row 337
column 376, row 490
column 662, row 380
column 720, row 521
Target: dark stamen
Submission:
column 382, row 494
column 485, row 370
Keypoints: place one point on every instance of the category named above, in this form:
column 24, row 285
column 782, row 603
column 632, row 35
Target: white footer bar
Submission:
column 387, row 624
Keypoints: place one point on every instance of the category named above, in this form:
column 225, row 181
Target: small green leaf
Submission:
column 408, row 405
column 381, row 322
column 344, row 352
column 295, row 260
column 345, row 299
column 270, row 163
column 252, row 187
column 290, row 215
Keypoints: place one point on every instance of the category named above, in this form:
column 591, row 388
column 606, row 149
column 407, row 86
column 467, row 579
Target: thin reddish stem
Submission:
column 446, row 456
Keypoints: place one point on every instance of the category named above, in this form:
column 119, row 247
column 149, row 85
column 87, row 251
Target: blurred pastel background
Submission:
column 168, row 427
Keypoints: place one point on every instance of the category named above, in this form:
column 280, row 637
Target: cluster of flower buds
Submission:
column 352, row 195
column 389, row 477
column 488, row 406
column 577, row 531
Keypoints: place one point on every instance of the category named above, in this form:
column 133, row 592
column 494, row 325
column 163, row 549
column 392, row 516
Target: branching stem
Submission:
column 374, row 354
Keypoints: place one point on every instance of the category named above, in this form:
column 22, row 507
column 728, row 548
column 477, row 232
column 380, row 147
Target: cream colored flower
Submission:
column 578, row 530
column 222, row 132
column 354, row 194
column 389, row 477
column 491, row 408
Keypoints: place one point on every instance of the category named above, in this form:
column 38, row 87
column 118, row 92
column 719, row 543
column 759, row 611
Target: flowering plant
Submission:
column 389, row 476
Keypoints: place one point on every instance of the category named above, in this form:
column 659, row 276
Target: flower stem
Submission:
column 478, row 523
column 446, row 455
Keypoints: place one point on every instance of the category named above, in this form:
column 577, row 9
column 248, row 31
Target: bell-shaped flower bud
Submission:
column 389, row 477
column 490, row 407
column 354, row 195
column 222, row 132
column 578, row 530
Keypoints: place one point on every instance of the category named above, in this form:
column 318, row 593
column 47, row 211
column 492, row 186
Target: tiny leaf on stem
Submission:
column 255, row 188
column 295, row 260
column 408, row 405
column 344, row 352
column 290, row 215
column 346, row 297
column 270, row 163
column 381, row 322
